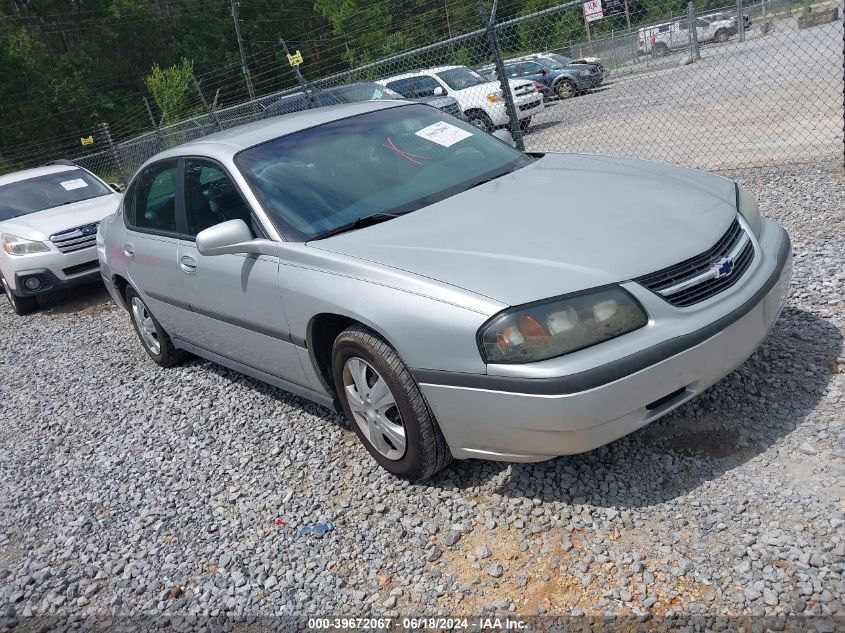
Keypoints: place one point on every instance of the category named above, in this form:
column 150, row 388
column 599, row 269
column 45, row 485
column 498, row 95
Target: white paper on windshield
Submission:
column 76, row 183
column 443, row 133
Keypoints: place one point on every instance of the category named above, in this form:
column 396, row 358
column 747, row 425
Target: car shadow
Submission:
column 74, row 299
column 715, row 432
column 539, row 127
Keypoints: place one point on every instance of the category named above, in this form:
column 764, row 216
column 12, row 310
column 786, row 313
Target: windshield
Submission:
column 45, row 192
column 461, row 77
column 390, row 161
column 554, row 61
column 364, row 92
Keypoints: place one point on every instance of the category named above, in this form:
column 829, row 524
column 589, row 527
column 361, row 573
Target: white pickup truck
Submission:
column 659, row 39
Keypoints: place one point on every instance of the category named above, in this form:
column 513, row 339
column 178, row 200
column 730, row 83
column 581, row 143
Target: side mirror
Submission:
column 116, row 187
column 232, row 237
column 438, row 92
column 504, row 136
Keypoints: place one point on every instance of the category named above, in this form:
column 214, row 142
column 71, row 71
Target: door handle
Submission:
column 188, row 264
column 129, row 250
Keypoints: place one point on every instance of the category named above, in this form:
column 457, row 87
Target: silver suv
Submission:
column 48, row 227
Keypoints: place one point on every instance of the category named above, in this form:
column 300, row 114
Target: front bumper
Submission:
column 480, row 421
column 48, row 280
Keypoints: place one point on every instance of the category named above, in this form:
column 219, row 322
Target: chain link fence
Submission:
column 704, row 85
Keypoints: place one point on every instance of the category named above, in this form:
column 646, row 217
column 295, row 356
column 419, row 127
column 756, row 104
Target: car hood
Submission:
column 564, row 223
column 42, row 224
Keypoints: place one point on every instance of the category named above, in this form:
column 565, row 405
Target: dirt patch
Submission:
column 544, row 578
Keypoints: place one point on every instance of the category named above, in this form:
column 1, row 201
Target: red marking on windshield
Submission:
column 411, row 157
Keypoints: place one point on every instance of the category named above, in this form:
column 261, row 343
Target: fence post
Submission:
column 209, row 111
column 504, row 84
column 740, row 23
column 299, row 77
column 156, row 126
column 112, row 149
column 694, row 52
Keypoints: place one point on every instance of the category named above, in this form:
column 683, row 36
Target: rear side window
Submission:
column 155, row 199
column 415, row 87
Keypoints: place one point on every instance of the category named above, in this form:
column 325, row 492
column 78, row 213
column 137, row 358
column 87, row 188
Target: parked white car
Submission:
column 480, row 99
column 661, row 38
column 48, row 229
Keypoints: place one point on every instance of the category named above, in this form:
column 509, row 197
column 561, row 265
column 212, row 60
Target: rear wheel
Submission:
column 661, row 49
column 153, row 338
column 480, row 120
column 722, row 35
column 565, row 89
column 20, row 305
column 385, row 407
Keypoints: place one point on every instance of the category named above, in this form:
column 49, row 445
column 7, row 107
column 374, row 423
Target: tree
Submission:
column 170, row 88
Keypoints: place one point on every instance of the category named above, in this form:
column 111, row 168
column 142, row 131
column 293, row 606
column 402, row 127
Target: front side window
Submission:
column 49, row 191
column 210, row 196
column 461, row 78
column 155, row 199
column 391, row 161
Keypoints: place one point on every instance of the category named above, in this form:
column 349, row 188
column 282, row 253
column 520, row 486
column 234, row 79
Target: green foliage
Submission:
column 170, row 88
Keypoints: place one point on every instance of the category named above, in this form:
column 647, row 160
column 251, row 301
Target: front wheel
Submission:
column 565, row 89
column 385, row 407
column 480, row 120
column 721, row 35
column 20, row 305
column 524, row 124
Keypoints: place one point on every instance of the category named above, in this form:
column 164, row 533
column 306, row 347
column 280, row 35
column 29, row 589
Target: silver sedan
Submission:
column 454, row 297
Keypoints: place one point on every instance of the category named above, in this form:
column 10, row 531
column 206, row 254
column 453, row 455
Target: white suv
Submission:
column 480, row 99
column 48, row 230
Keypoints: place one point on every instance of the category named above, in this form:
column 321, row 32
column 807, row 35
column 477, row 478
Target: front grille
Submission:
column 76, row 239
column 529, row 106
column 81, row 268
column 705, row 275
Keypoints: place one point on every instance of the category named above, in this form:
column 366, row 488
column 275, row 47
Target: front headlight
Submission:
column 495, row 97
column 15, row 245
column 554, row 327
column 746, row 204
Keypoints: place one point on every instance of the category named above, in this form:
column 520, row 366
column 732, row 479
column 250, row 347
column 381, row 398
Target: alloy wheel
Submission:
column 146, row 325
column 374, row 408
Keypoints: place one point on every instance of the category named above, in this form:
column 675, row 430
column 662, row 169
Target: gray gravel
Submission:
column 130, row 489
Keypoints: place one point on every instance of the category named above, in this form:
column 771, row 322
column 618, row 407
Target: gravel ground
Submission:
column 133, row 490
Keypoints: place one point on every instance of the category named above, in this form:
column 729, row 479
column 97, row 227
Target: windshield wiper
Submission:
column 358, row 223
column 483, row 181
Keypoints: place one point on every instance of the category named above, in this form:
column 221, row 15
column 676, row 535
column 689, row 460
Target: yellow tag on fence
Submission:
column 87, row 140
column 295, row 59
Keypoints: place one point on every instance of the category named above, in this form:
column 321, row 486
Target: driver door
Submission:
column 235, row 298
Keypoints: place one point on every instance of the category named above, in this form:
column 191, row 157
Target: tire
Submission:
column 660, row 49
column 564, row 89
column 360, row 354
column 20, row 305
column 722, row 35
column 524, row 124
column 161, row 349
column 480, row 120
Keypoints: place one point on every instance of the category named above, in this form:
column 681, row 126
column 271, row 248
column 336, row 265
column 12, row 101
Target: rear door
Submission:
column 235, row 299
column 151, row 245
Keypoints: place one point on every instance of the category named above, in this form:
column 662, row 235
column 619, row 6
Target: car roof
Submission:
column 25, row 174
column 227, row 142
